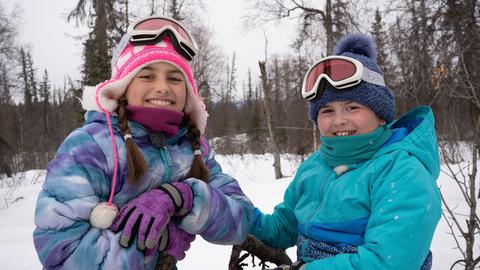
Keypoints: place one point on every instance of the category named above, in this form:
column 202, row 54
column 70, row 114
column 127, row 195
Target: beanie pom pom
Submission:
column 357, row 44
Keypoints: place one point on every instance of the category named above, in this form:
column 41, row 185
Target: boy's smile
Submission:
column 344, row 133
column 346, row 118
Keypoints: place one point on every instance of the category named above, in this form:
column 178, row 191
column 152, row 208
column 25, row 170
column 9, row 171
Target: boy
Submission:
column 367, row 199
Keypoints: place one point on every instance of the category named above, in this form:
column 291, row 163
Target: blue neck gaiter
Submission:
column 345, row 150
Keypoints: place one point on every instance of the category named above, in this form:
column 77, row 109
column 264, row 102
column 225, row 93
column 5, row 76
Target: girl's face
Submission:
column 346, row 118
column 159, row 85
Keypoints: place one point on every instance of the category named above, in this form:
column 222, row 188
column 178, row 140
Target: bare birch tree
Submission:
column 268, row 104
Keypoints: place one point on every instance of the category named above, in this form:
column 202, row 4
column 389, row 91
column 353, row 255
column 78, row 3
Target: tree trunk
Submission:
column 328, row 24
column 315, row 139
column 472, row 203
column 127, row 23
column 270, row 120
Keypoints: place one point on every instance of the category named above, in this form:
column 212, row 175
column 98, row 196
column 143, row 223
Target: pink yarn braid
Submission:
column 202, row 141
column 112, row 136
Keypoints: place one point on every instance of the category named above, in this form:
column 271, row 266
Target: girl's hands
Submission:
column 174, row 242
column 147, row 215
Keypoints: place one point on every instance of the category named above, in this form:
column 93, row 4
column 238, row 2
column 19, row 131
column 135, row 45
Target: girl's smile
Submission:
column 160, row 102
column 159, row 85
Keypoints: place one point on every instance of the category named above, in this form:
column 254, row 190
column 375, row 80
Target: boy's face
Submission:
column 159, row 85
column 346, row 118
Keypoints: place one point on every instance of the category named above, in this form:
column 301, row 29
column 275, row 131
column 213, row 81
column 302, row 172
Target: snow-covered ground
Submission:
column 256, row 176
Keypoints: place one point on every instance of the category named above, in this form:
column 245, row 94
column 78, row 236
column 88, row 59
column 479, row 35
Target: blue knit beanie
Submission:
column 378, row 98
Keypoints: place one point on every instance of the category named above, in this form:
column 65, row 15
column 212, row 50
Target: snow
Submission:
column 256, row 176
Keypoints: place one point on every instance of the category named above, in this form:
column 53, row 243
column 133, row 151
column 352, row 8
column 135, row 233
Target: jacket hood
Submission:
column 420, row 140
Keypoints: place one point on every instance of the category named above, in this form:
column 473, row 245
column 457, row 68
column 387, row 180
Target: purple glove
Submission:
column 178, row 241
column 174, row 241
column 148, row 214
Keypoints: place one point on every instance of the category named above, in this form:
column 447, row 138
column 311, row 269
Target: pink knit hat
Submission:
column 127, row 61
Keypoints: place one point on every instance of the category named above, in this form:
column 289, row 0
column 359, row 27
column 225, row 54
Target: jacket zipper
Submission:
column 167, row 163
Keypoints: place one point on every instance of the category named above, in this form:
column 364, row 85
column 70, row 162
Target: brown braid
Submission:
column 137, row 167
column 198, row 170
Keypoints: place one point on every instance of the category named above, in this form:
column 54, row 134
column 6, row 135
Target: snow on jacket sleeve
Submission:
column 77, row 179
column 405, row 208
column 221, row 213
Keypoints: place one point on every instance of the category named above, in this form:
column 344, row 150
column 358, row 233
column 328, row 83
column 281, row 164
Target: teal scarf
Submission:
column 345, row 150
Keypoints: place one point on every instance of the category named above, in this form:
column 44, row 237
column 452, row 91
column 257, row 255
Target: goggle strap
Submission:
column 187, row 38
column 372, row 77
column 173, row 38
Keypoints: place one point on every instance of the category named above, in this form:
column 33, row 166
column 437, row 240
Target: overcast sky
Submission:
column 54, row 47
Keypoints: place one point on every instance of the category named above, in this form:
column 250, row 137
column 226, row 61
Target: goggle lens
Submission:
column 335, row 69
column 339, row 69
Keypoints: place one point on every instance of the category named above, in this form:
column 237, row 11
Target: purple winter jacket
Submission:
column 79, row 177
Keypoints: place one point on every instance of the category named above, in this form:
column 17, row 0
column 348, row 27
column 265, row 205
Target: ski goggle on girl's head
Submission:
column 153, row 29
column 341, row 72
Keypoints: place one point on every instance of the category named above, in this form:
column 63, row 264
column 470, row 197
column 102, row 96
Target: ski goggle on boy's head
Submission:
column 341, row 72
column 153, row 29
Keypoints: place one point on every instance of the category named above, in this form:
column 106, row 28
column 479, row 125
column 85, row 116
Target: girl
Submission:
column 368, row 198
column 140, row 149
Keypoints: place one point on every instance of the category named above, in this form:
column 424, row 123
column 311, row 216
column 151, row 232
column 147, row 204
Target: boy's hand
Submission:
column 298, row 265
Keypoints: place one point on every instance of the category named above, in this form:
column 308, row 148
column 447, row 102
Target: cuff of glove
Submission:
column 181, row 195
column 298, row 265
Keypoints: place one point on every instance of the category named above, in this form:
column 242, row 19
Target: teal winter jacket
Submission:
column 386, row 207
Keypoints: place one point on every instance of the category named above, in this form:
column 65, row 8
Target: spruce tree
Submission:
column 379, row 36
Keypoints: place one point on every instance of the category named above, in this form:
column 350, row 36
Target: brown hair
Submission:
column 198, row 169
column 137, row 167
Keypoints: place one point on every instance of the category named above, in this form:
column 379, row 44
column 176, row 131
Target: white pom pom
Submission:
column 340, row 169
column 102, row 215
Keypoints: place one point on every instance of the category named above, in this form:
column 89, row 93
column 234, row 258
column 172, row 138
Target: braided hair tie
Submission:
column 127, row 136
